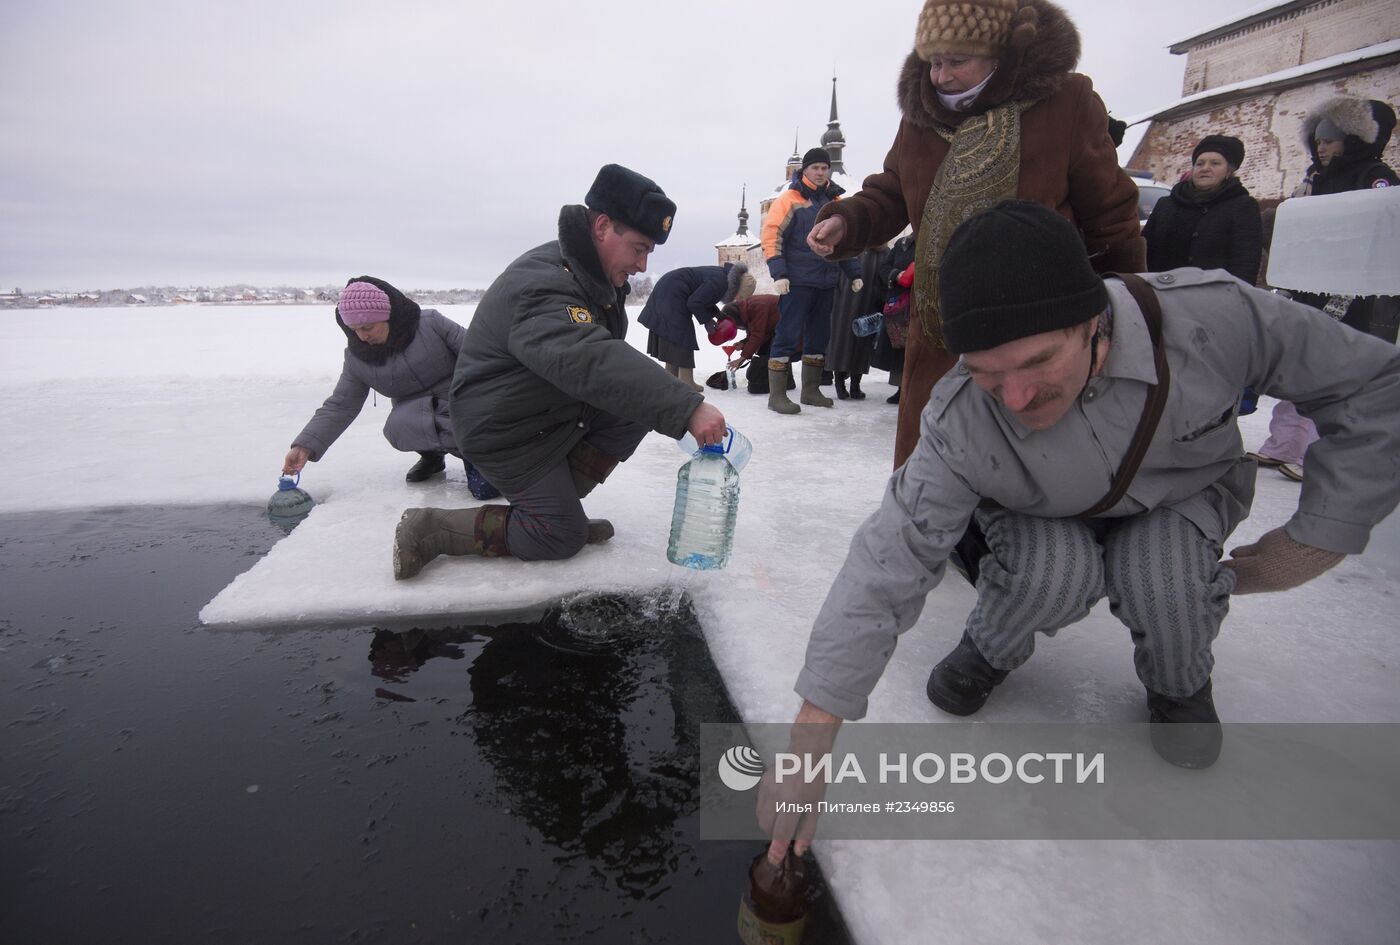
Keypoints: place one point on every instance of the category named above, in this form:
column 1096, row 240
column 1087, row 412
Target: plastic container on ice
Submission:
column 707, row 508
column 289, row 504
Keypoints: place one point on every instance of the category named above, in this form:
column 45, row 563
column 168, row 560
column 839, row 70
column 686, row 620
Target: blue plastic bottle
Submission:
column 707, row 507
column 289, row 504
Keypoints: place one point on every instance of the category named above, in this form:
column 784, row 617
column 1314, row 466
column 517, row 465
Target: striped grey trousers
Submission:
column 1163, row 579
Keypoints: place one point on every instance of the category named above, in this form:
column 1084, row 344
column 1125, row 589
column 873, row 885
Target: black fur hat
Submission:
column 1227, row 146
column 632, row 200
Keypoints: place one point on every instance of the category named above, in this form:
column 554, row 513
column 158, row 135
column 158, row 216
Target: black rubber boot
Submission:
column 426, row 468
column 856, row 392
column 1185, row 731
column 963, row 682
column 841, row 393
column 893, row 398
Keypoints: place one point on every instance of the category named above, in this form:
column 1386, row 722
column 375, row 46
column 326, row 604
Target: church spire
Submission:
column 794, row 163
column 833, row 140
column 743, row 212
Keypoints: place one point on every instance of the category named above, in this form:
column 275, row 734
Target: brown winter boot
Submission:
column 811, row 379
column 779, row 372
column 687, row 376
column 590, row 467
column 423, row 534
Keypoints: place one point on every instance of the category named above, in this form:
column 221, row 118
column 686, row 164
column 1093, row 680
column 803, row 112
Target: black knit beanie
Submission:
column 1016, row 270
column 815, row 156
column 1227, row 146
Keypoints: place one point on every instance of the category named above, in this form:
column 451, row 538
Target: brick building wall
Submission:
column 1270, row 126
column 1293, row 37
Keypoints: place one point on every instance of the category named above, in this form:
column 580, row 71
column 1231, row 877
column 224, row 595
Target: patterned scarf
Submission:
column 982, row 168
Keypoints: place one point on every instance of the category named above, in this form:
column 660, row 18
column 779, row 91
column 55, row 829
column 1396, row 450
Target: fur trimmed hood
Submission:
column 1043, row 49
column 1367, row 124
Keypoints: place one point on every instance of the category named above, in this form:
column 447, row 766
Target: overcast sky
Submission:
column 430, row 143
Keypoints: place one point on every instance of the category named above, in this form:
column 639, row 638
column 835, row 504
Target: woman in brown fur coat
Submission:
column 991, row 110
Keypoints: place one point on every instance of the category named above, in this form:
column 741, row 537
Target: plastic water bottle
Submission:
column 737, row 448
column 733, row 380
column 707, row 506
column 289, row 504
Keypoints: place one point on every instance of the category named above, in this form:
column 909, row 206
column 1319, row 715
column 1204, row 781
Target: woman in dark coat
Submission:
column 1209, row 220
column 681, row 298
column 402, row 352
column 847, row 354
column 888, row 356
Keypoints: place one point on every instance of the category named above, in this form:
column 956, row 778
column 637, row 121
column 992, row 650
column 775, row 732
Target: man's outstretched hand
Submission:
column 814, row 734
column 1278, row 563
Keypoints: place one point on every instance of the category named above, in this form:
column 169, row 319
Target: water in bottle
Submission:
column 707, row 506
column 289, row 504
column 731, row 378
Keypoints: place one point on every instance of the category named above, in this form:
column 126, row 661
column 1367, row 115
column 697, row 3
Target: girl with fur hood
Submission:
column 402, row 352
column 1346, row 137
column 992, row 109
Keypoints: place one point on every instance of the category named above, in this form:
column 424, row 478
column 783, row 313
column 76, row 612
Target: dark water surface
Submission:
column 160, row 782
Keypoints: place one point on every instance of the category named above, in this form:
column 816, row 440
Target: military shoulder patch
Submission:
column 580, row 315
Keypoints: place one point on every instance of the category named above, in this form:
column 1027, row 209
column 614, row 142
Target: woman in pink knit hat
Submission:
column 404, row 353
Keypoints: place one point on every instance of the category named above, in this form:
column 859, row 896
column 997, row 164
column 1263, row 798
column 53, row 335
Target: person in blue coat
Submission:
column 682, row 297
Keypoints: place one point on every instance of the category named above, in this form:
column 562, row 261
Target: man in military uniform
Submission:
column 548, row 397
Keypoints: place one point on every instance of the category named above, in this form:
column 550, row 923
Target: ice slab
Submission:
column 1339, row 244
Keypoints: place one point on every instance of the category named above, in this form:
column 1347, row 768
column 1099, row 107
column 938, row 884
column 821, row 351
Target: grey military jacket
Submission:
column 1221, row 336
column 547, row 340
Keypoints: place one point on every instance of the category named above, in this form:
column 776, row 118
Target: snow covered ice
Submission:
column 198, row 404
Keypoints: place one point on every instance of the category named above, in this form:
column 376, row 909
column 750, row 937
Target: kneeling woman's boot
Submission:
column 428, row 466
column 779, row 374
